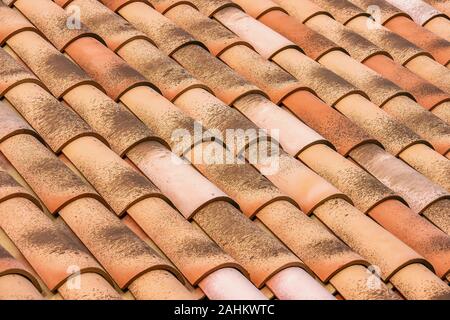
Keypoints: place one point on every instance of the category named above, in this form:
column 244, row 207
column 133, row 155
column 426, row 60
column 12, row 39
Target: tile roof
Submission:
column 108, row 191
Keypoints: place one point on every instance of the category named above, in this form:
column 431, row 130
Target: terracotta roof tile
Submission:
column 118, row 183
column 42, row 252
column 209, row 8
column 391, row 133
column 431, row 71
column 440, row 5
column 342, row 133
column 12, row 24
column 116, row 124
column 313, row 44
column 179, row 205
column 319, row 20
column 88, row 52
column 60, row 74
column 63, row 3
column 443, row 111
column 242, row 182
column 111, row 166
column 159, row 285
column 9, row 2
column 11, row 189
column 424, row 92
column 227, row 280
column 93, row 224
column 267, row 68
column 325, row 254
column 367, row 80
column 437, row 212
column 366, row 191
column 102, row 183
column 118, row 36
column 398, row 47
column 152, row 159
column 379, row 252
column 15, row 287
column 262, row 255
column 31, row 164
column 420, row 11
column 306, row 11
column 414, row 290
column 352, row 282
column 294, row 136
column 359, row 47
column 439, row 25
column 60, row 248
column 387, row 11
column 50, row 252
column 426, row 239
column 343, row 11
column 288, row 290
column 118, row 4
column 260, row 8
column 244, row 26
column 430, row 127
column 12, row 124
column 437, row 46
column 238, row 253
column 380, row 89
column 164, row 5
column 163, row 118
column 429, row 163
column 386, row 204
column 52, row 22
column 316, row 76
column 165, row 34
column 92, row 287
column 116, row 86
column 58, row 126
column 391, row 17
column 181, row 241
column 11, row 266
column 311, row 192
column 217, row 39
column 213, row 113
column 142, row 262
column 277, row 83
column 399, row 177
column 165, row 73
column 226, row 84
column 13, row 74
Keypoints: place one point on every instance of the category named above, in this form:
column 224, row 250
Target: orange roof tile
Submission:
column 202, row 148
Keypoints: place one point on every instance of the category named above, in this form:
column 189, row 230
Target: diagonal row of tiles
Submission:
column 270, row 200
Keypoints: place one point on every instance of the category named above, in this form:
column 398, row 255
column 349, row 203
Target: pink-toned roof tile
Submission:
column 105, row 126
